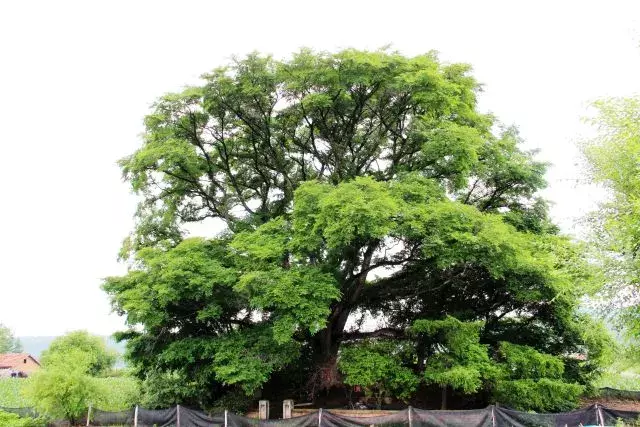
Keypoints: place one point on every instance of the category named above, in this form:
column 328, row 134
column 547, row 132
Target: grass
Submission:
column 626, row 380
column 116, row 394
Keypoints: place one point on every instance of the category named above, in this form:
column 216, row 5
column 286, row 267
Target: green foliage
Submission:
column 544, row 395
column 534, row 381
column 112, row 394
column 249, row 358
column 377, row 367
column 161, row 390
column 350, row 183
column 624, row 380
column 454, row 356
column 613, row 157
column 63, row 389
column 101, row 358
column 525, row 362
column 8, row 343
column 115, row 394
column 13, row 420
column 234, row 400
column 11, row 393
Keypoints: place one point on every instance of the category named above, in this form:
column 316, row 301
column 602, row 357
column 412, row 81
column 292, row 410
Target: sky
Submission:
column 77, row 78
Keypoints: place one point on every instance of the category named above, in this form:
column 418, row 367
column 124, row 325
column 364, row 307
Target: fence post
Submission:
column 263, row 409
column 320, row 417
column 225, row 418
column 410, row 420
column 493, row 416
column 287, row 409
column 89, row 415
column 135, row 417
column 178, row 415
column 599, row 413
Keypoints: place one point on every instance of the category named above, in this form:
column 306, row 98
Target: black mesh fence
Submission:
column 106, row 418
column 587, row 417
column 158, row 417
column 613, row 416
column 397, row 419
column 22, row 412
column 491, row 416
column 475, row 417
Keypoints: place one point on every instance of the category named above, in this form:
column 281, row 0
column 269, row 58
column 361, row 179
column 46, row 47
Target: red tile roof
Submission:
column 12, row 360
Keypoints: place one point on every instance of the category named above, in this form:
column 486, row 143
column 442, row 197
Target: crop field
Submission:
column 114, row 394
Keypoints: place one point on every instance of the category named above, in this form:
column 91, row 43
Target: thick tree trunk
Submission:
column 326, row 344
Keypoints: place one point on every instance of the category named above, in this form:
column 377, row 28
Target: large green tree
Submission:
column 613, row 156
column 345, row 186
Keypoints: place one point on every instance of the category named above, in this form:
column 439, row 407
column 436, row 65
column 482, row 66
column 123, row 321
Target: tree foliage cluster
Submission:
column 349, row 186
column 8, row 342
column 613, row 157
column 516, row 375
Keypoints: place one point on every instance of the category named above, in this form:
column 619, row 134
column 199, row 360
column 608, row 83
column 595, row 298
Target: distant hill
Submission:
column 36, row 345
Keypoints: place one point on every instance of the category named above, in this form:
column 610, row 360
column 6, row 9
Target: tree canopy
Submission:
column 350, row 186
column 614, row 162
column 100, row 358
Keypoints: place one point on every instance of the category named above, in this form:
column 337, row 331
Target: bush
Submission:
column 115, row 394
column 235, row 401
column 544, row 395
column 13, row 420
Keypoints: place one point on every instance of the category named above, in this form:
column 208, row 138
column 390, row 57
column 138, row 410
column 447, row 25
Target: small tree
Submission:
column 377, row 367
column 8, row 343
column 454, row 356
column 101, row 358
column 63, row 389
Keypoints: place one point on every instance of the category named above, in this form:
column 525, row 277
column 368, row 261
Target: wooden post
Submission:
column 89, row 416
column 320, row 417
column 287, row 409
column 135, row 417
column 177, row 415
column 410, row 420
column 225, row 417
column 263, row 409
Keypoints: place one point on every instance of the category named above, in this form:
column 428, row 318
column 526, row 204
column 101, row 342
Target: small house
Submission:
column 19, row 365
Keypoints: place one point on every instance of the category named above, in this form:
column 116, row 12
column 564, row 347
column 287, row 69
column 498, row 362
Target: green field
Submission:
column 626, row 380
column 115, row 394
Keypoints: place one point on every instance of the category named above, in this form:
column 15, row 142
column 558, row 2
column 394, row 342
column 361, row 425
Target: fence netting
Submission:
column 491, row 416
column 585, row 417
column 329, row 419
column 107, row 418
column 22, row 412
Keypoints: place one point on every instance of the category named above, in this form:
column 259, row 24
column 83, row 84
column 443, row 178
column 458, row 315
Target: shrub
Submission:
column 544, row 395
column 13, row 420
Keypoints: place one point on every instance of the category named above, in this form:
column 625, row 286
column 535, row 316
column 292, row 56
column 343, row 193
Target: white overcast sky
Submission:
column 76, row 79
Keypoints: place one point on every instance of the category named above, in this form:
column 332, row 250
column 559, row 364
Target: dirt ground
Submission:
column 613, row 403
